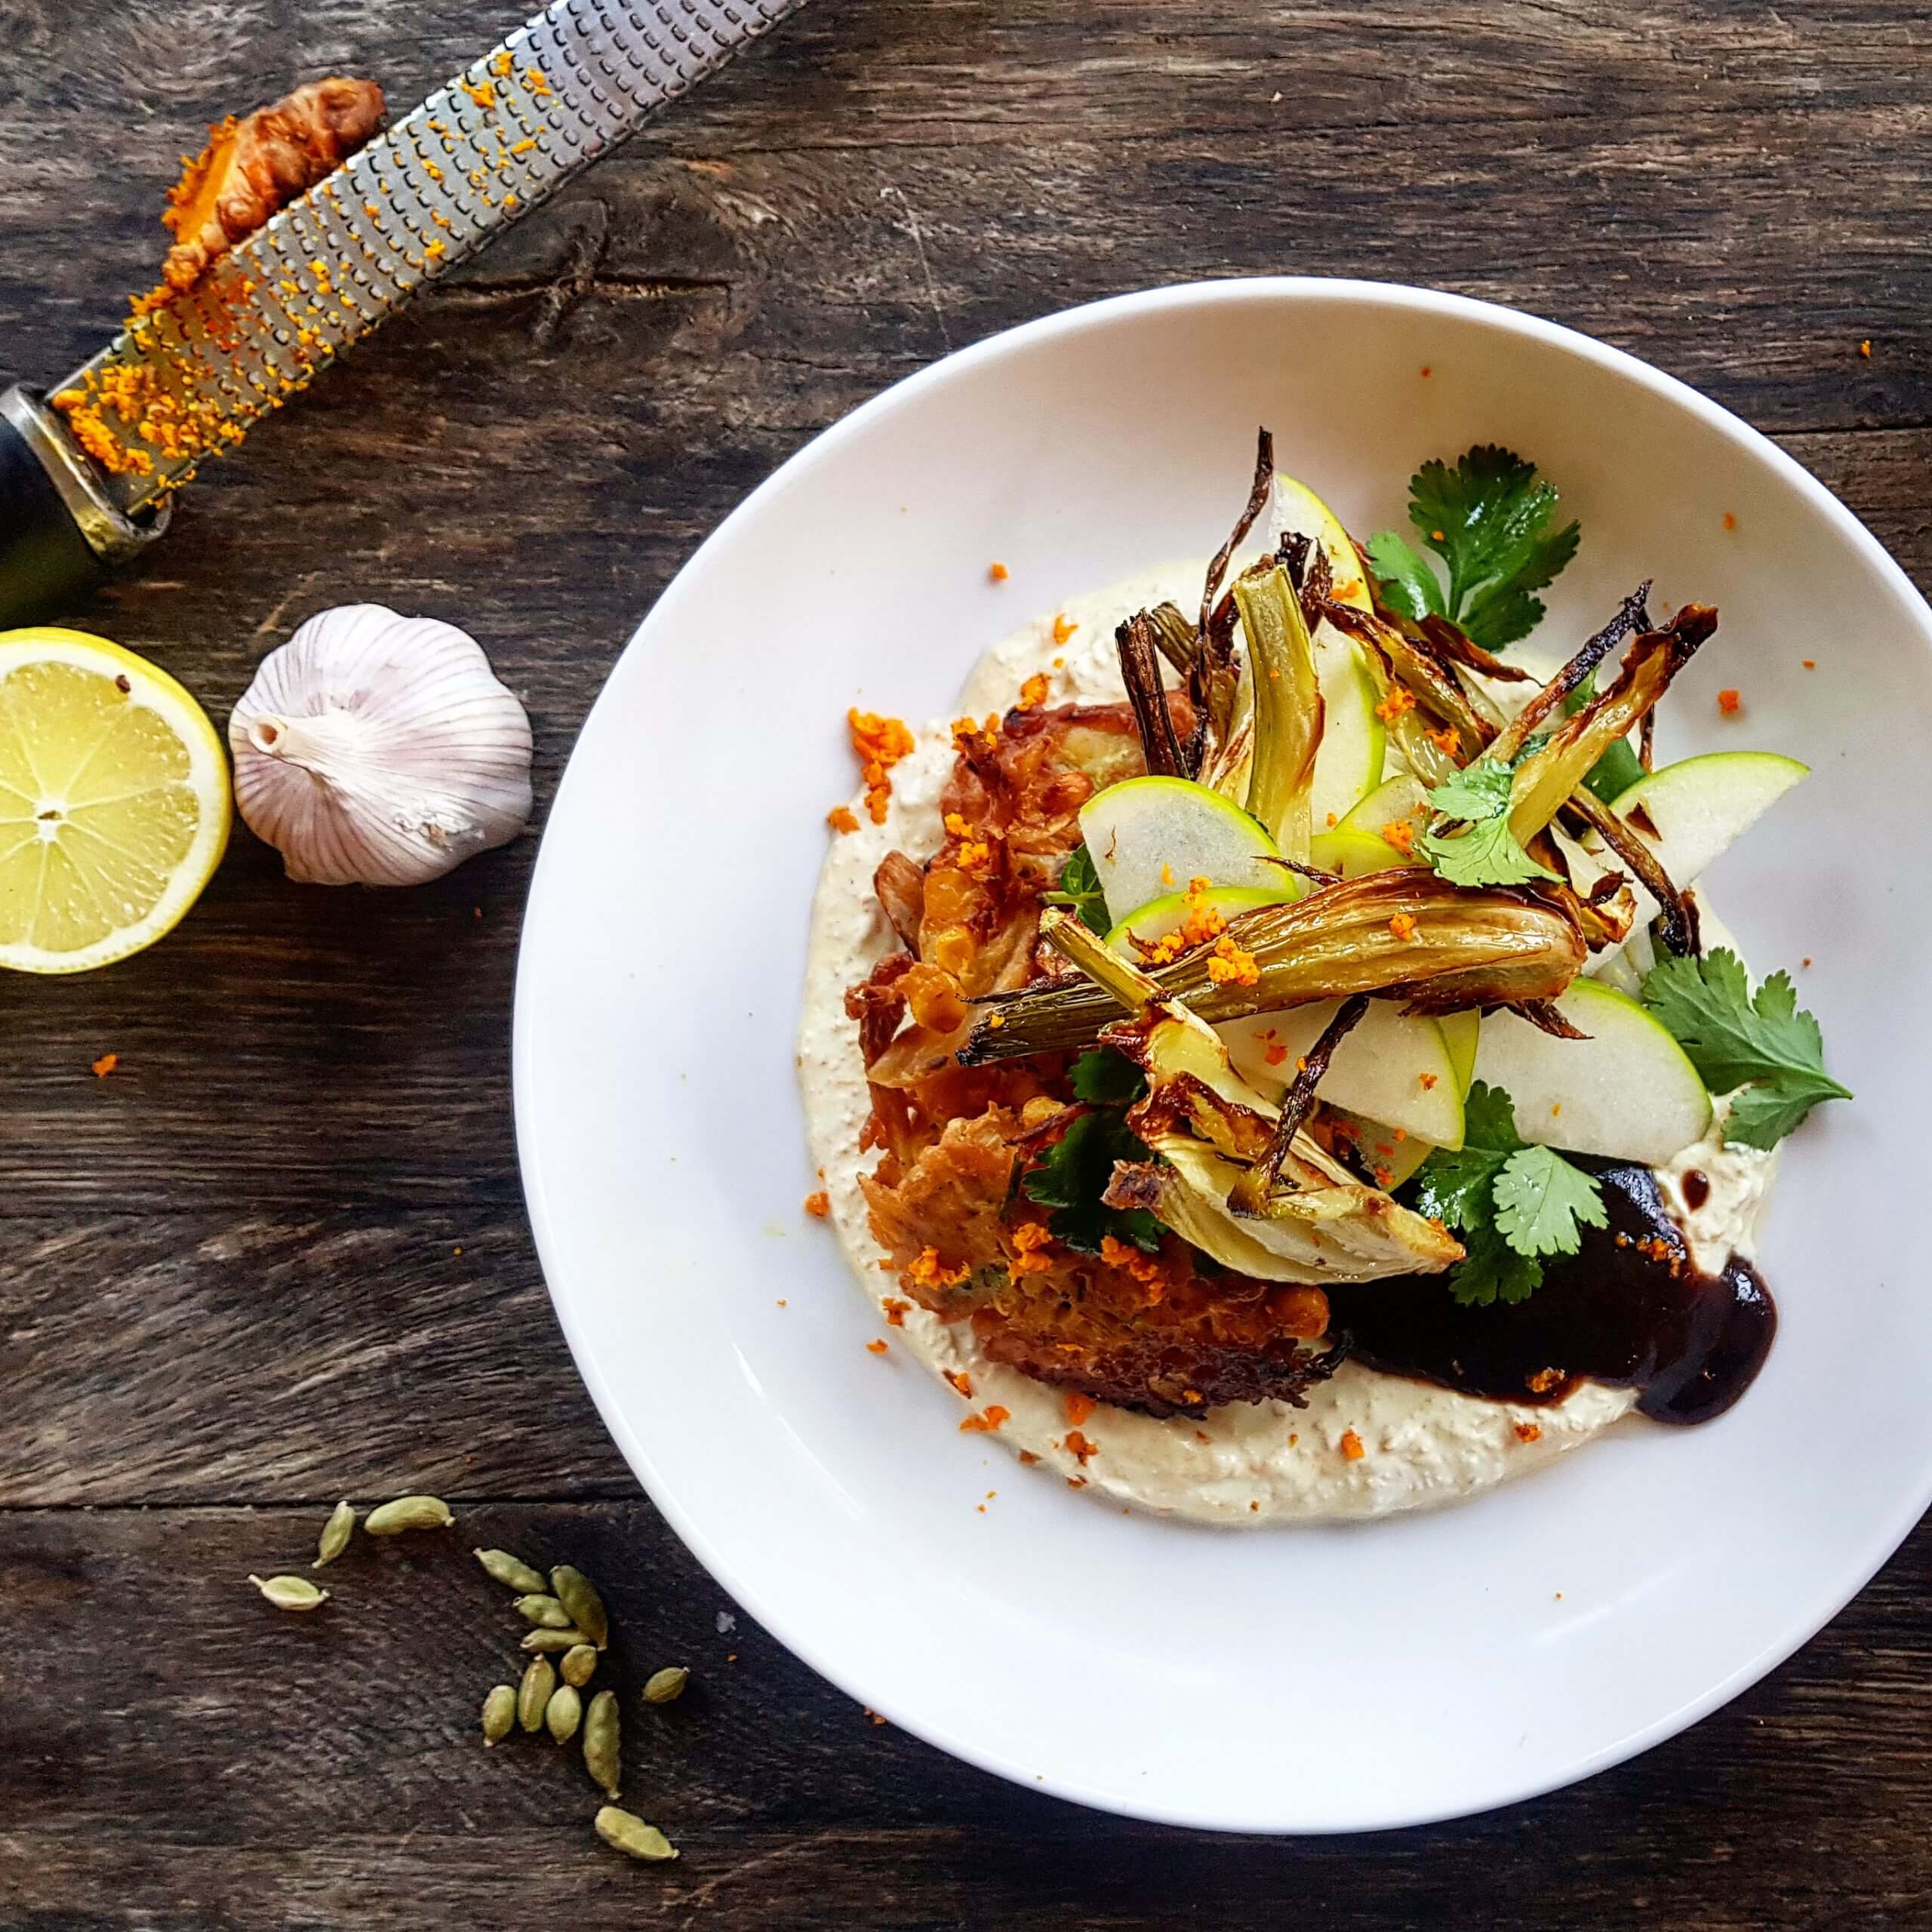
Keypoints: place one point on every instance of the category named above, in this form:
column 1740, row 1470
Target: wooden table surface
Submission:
column 280, row 1256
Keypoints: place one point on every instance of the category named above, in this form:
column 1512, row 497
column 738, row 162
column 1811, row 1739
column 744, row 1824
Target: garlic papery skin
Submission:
column 376, row 749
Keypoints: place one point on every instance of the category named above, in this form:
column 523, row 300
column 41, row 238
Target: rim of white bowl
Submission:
column 1258, row 289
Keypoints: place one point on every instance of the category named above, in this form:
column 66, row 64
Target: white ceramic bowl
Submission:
column 1320, row 1680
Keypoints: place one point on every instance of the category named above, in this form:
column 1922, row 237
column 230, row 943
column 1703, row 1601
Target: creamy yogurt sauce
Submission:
column 1242, row 1464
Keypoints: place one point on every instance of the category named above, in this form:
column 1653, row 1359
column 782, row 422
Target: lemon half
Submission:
column 114, row 801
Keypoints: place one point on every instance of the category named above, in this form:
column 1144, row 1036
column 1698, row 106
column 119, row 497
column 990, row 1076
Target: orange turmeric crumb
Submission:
column 986, row 1423
column 1027, row 1456
column 974, row 854
column 1274, row 1052
column 1029, row 1238
column 1445, row 740
column 1033, row 692
column 1438, row 537
column 1730, row 521
column 1528, row 1431
column 1200, row 923
column 1864, row 348
column 961, row 1380
column 1384, row 1177
column 482, row 92
column 928, row 1271
column 1079, row 1447
column 841, row 819
column 1425, row 372
column 1079, row 1407
column 1809, row 663
column 1403, row 925
column 1392, row 706
column 818, row 1205
column 1427, row 1083
column 1400, row 833
column 877, row 1346
column 1728, row 702
column 1352, row 1447
column 968, row 736
column 895, row 1311
column 1232, row 965
column 1544, row 1380
column 1806, row 961
column 1145, row 1269
column 1333, row 821
column 1063, row 630
column 999, row 573
column 106, row 1065
column 878, row 743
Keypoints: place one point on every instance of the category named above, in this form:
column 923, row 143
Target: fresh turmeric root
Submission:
column 252, row 167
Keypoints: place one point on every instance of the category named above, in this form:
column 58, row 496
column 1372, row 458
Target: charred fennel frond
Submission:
column 1404, row 934
column 1287, row 707
column 1556, row 768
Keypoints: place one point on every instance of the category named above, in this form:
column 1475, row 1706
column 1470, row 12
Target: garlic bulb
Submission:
column 376, row 749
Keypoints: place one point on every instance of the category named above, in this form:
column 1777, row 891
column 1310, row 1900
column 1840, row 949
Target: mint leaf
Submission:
column 1079, row 891
column 1406, row 582
column 1107, row 1078
column 1074, row 1172
column 1540, row 1198
column 1765, row 1045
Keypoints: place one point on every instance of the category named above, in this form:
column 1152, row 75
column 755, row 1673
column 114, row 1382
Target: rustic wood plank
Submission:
column 178, row 1358
column 174, row 1754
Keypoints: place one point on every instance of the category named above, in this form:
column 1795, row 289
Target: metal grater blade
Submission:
column 187, row 380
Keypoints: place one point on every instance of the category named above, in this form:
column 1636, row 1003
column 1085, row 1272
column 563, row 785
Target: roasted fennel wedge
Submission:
column 1310, row 1221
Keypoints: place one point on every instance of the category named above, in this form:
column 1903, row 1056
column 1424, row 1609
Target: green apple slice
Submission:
column 1628, row 1093
column 1391, row 1160
column 1394, row 1067
column 1461, row 1031
column 1699, row 806
column 1148, row 837
column 1353, row 853
column 1154, row 922
column 1401, row 798
column 1349, row 761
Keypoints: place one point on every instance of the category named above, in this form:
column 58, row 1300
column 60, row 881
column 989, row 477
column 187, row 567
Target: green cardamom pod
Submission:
column 409, row 1513
column 563, row 1713
column 574, row 1591
column 336, row 1532
column 291, row 1592
column 539, row 1681
column 580, row 1665
column 545, row 1612
column 499, row 1713
column 511, row 1571
column 666, row 1686
column 602, row 1758
column 552, row 1640
column 630, row 1835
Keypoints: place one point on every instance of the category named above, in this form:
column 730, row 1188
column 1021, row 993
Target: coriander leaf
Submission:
column 1766, row 1045
column 1492, row 1271
column 1074, row 1173
column 1406, row 581
column 1501, row 613
column 1488, row 853
column 1487, row 519
column 1107, row 1078
column 1079, row 891
column 1480, row 790
column 1540, row 1197
column 1489, row 1119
